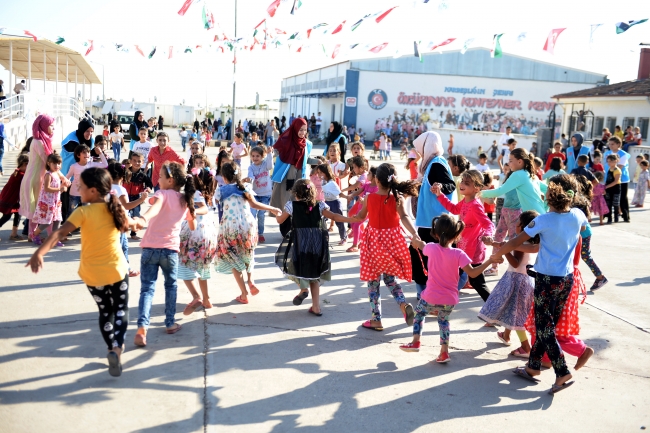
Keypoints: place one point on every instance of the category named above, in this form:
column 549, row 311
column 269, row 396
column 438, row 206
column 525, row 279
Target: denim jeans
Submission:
column 183, row 143
column 125, row 245
column 117, row 148
column 150, row 261
column 261, row 214
column 2, row 153
column 135, row 212
column 75, row 201
column 269, row 141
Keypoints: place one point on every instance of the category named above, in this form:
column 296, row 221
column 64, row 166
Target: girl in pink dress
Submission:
column 48, row 206
column 368, row 187
column 598, row 203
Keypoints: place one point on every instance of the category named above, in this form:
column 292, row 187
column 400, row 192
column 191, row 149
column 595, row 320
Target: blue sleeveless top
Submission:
column 428, row 205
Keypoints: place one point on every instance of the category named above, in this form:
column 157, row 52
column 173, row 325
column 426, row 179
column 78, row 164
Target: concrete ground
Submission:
column 271, row 367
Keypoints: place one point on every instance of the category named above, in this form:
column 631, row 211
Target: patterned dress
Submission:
column 598, row 203
column 641, row 188
column 48, row 206
column 237, row 232
column 198, row 248
column 383, row 249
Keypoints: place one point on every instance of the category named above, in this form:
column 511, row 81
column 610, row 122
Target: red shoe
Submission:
column 261, row 239
column 411, row 347
column 443, row 358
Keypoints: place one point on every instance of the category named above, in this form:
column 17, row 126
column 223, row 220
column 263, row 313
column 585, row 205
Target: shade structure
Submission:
column 27, row 54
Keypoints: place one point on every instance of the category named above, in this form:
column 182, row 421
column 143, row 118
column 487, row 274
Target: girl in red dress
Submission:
column 10, row 197
column 384, row 250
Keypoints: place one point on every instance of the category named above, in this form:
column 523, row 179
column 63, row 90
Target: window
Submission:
column 611, row 124
column 627, row 121
column 599, row 125
column 340, row 81
column 332, row 82
column 302, row 86
column 323, row 84
column 643, row 125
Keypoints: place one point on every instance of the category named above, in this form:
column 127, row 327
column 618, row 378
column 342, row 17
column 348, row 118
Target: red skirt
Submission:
column 384, row 251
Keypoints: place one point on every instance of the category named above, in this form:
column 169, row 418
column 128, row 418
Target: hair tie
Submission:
column 189, row 176
column 390, row 178
column 123, row 166
column 308, row 186
column 570, row 193
column 236, row 172
column 196, row 171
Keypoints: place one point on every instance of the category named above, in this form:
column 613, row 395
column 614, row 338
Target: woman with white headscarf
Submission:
column 433, row 169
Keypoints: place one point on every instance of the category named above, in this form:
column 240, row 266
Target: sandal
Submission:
column 367, row 325
column 254, row 290
column 352, row 249
column 134, row 273
column 520, row 353
column 174, row 328
column 557, row 388
column 521, row 372
column 301, row 297
column 241, row 300
column 17, row 238
column 311, row 310
column 503, row 340
column 342, row 242
column 489, row 325
column 409, row 314
column 191, row 307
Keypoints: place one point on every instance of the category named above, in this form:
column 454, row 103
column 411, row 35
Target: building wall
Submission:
column 468, row 142
column 458, row 94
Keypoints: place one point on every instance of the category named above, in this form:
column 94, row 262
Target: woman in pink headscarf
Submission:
column 42, row 131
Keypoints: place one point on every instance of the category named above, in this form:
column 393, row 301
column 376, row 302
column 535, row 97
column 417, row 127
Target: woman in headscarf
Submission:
column 83, row 135
column 433, row 169
column 574, row 151
column 161, row 120
column 335, row 135
column 134, row 128
column 293, row 151
column 40, row 149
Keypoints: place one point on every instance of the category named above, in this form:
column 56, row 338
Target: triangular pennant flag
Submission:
column 336, row 50
column 353, row 46
column 594, row 27
column 261, row 22
column 273, row 7
column 152, row 52
column 299, row 49
column 355, row 25
column 254, row 33
column 622, row 27
column 59, row 40
column 443, row 43
column 280, row 31
column 319, row 25
column 208, row 18
column 378, row 48
column 185, row 7
column 187, row 50
column 385, row 14
column 324, row 50
column 171, row 52
column 139, row 50
column 296, row 6
column 293, row 36
column 521, row 37
column 466, row 45
column 339, row 28
column 32, row 35
column 416, row 50
column 549, row 45
column 496, row 51
column 90, row 48
column 234, row 61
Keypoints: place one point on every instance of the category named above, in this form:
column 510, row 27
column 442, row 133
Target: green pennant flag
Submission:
column 255, row 33
column 152, row 52
column 188, row 50
column 622, row 27
column 416, row 50
column 293, row 36
column 59, row 40
column 496, row 46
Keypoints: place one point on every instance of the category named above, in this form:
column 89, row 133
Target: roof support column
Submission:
column 11, row 68
column 56, row 87
column 44, row 70
column 29, row 65
column 67, row 76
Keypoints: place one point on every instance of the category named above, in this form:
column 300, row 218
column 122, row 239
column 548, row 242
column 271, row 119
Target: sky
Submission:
column 206, row 75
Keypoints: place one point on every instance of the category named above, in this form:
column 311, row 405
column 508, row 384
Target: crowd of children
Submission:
column 201, row 217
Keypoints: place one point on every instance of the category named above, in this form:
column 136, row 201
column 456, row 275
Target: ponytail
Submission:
column 119, row 215
column 387, row 178
column 528, row 158
column 181, row 179
column 99, row 179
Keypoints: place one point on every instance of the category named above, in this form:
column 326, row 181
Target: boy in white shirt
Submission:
column 143, row 146
column 482, row 163
column 238, row 148
column 82, row 155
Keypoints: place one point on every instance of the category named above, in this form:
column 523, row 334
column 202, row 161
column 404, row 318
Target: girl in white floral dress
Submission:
column 198, row 247
column 238, row 229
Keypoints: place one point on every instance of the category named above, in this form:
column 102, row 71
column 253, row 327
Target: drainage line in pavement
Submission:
column 620, row 318
column 206, row 345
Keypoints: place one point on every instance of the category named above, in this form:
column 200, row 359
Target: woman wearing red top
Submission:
column 160, row 155
column 383, row 249
column 606, row 135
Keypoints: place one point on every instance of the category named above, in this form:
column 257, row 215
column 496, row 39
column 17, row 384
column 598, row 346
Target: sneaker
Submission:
column 443, row 358
column 60, row 244
column 411, row 347
column 492, row 272
column 598, row 284
column 261, row 239
column 37, row 240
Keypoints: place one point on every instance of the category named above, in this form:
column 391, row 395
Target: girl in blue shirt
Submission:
column 559, row 230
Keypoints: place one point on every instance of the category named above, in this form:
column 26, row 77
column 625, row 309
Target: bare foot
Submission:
column 547, row 364
column 206, row 304
column 532, row 372
column 584, row 358
column 562, row 380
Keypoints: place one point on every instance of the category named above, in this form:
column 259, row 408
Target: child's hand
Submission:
column 139, row 223
column 487, row 240
column 417, row 243
column 277, row 212
column 436, row 189
column 496, row 258
column 497, row 244
column 35, row 262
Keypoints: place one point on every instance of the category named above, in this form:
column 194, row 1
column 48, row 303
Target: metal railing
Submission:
column 55, row 105
column 11, row 108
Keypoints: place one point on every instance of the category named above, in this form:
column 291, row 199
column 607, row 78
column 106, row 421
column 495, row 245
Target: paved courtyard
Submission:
column 271, row 367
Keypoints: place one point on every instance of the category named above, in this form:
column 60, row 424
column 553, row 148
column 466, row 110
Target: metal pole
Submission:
column 103, row 84
column 56, row 88
column 76, row 69
column 29, row 65
column 67, row 75
column 11, row 69
column 44, row 70
column 234, row 82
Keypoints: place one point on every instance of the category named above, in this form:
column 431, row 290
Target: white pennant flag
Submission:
column 466, row 45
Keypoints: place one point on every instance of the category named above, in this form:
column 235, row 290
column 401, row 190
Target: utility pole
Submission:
column 234, row 82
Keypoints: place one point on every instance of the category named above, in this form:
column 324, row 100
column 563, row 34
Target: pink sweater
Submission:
column 477, row 224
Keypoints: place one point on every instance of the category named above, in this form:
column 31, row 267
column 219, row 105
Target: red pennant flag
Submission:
column 261, row 22
column 216, row 38
column 308, row 33
column 28, row 33
column 185, row 7
column 339, row 28
column 445, row 42
column 549, row 45
column 264, row 46
column 384, row 15
column 171, row 52
column 221, row 48
column 234, row 61
column 378, row 48
column 90, row 48
column 299, row 49
column 273, row 8
column 280, row 32
column 139, row 50
column 336, row 50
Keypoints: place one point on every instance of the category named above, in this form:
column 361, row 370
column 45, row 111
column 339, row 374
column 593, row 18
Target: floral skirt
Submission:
column 236, row 249
column 198, row 248
column 510, row 301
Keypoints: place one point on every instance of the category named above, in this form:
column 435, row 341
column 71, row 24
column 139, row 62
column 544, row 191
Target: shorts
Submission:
column 186, row 274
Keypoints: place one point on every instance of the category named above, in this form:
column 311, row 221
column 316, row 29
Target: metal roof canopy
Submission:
column 320, row 95
column 28, row 61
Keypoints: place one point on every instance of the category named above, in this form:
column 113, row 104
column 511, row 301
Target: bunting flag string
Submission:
column 496, row 52
column 273, row 7
column 549, row 45
column 90, row 48
column 32, row 35
column 185, row 7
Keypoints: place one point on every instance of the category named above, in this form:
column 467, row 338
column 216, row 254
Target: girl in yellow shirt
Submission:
column 102, row 266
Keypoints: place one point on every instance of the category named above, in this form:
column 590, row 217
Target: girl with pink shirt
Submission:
column 477, row 225
column 161, row 244
column 441, row 293
column 368, row 187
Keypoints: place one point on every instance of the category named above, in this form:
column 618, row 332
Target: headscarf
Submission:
column 290, row 147
column 39, row 131
column 579, row 138
column 144, row 123
column 429, row 145
column 83, row 126
column 334, row 135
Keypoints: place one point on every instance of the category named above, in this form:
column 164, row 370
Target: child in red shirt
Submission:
column 490, row 208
